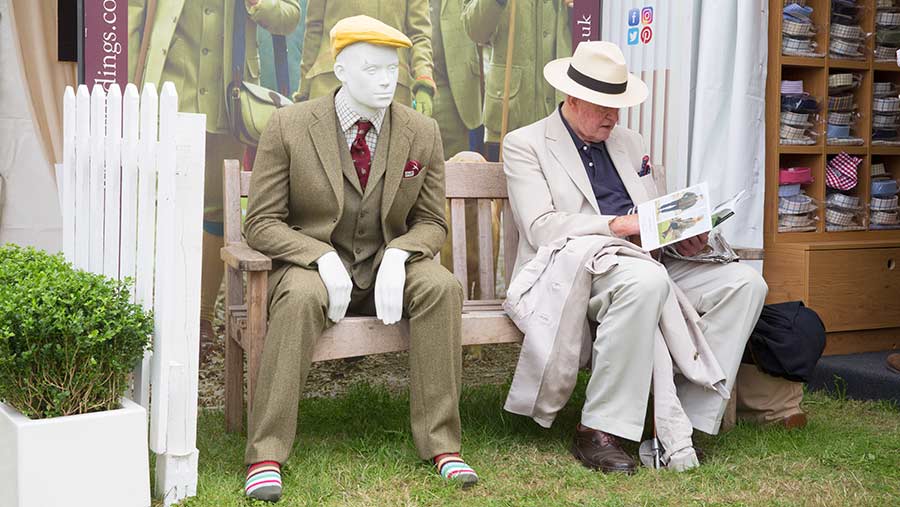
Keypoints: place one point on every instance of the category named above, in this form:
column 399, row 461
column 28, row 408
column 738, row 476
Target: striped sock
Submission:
column 453, row 468
column 264, row 481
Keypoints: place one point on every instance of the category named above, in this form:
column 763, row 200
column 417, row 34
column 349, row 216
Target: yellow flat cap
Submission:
column 365, row 29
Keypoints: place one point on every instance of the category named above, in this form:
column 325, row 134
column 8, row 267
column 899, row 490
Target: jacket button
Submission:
column 205, row 51
column 358, row 250
column 334, row 220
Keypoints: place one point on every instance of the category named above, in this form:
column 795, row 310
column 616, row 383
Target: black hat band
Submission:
column 596, row 84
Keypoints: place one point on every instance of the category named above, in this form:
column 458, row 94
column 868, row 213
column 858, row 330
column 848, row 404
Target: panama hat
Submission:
column 597, row 74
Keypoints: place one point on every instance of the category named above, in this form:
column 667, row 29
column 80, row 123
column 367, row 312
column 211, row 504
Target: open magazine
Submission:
column 682, row 214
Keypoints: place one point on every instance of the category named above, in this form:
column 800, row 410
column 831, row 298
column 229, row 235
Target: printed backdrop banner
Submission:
column 105, row 43
column 585, row 21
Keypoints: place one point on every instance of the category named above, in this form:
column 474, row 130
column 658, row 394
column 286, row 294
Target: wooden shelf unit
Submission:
column 851, row 278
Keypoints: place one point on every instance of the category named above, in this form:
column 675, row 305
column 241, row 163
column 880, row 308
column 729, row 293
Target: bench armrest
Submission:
column 243, row 258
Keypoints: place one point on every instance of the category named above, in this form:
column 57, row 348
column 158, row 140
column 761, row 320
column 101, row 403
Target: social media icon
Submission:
column 634, row 17
column 646, row 15
column 646, row 34
column 633, row 34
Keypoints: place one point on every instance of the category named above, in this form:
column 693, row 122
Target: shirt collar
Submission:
column 579, row 143
column 348, row 117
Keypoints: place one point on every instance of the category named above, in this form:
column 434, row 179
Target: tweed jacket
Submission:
column 461, row 70
column 277, row 16
column 296, row 191
column 543, row 33
column 549, row 191
column 317, row 64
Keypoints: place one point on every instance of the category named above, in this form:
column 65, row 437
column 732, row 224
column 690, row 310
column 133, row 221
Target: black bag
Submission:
column 787, row 341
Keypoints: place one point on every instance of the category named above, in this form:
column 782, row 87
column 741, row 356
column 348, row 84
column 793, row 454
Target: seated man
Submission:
column 347, row 198
column 577, row 174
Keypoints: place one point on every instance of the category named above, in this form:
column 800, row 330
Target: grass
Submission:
column 356, row 450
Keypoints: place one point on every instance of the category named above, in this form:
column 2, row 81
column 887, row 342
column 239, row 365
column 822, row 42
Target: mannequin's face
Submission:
column 368, row 73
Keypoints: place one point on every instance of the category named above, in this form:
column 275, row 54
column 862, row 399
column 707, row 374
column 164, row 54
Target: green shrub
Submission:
column 68, row 338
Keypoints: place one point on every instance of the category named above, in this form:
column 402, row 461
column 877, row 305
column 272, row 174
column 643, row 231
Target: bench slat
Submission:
column 485, row 251
column 458, row 217
column 475, row 180
column 245, row 182
column 479, row 328
column 510, row 242
column 232, row 200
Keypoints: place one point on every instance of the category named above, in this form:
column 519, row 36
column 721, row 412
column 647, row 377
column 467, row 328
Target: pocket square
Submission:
column 412, row 169
column 646, row 168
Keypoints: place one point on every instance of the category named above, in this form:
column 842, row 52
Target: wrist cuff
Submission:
column 425, row 83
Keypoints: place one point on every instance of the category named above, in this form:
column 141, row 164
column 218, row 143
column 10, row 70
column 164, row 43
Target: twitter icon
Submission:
column 633, row 34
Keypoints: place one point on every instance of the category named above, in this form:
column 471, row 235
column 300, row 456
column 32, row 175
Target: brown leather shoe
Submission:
column 601, row 451
column 794, row 421
column 893, row 362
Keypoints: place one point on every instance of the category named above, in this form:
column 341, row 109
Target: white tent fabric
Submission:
column 30, row 213
column 727, row 129
column 706, row 68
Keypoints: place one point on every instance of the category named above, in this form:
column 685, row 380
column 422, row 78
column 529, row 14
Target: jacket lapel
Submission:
column 397, row 154
column 565, row 152
column 636, row 190
column 327, row 146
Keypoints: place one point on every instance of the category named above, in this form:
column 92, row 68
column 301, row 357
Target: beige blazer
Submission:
column 549, row 191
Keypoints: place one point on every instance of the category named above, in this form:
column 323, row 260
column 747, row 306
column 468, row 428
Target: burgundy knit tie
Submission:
column 359, row 151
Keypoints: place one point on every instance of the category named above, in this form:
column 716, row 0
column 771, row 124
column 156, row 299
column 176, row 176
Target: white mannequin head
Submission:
column 368, row 72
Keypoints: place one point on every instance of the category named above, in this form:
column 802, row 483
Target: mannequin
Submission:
column 353, row 224
column 369, row 74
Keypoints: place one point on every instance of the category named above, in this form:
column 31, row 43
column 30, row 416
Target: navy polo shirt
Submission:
column 612, row 197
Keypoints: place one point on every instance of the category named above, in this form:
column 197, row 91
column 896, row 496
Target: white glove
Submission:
column 337, row 283
column 389, row 285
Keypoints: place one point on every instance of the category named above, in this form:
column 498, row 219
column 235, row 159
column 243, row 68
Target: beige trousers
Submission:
column 761, row 398
column 627, row 303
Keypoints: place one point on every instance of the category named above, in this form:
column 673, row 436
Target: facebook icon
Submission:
column 634, row 17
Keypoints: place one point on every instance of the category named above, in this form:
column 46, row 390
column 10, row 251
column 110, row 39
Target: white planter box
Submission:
column 95, row 460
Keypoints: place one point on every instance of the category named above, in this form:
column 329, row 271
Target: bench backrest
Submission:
column 482, row 181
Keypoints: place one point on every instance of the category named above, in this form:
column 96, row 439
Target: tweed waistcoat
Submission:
column 358, row 236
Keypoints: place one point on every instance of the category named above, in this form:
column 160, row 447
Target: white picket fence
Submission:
column 131, row 193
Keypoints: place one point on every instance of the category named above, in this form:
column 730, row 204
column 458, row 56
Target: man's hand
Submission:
column 337, row 283
column 692, row 246
column 569, row 3
column 389, row 285
column 625, row 225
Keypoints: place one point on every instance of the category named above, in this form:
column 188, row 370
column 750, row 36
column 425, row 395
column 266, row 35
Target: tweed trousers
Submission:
column 298, row 306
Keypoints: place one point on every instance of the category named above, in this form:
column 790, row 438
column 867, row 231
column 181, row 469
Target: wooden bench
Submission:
column 483, row 322
column 483, row 319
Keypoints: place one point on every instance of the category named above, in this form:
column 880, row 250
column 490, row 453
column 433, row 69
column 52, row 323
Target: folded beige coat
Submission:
column 558, row 339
